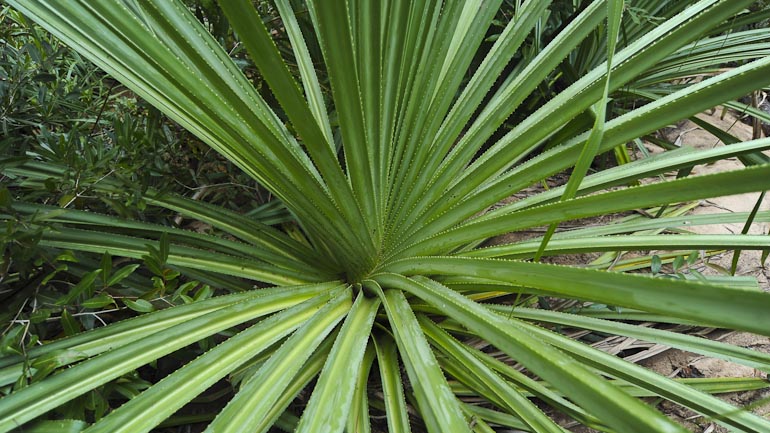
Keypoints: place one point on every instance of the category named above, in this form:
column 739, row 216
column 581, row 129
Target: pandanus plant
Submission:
column 369, row 307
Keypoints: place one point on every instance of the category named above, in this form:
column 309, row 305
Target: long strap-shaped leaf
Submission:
column 670, row 161
column 619, row 410
column 445, row 130
column 307, row 71
column 359, row 419
column 724, row 306
column 497, row 110
column 493, row 417
column 128, row 246
column 259, row 394
column 451, row 188
column 704, row 346
column 532, row 386
column 94, row 342
column 368, row 55
column 106, row 224
column 523, row 250
column 582, row 94
column 459, row 32
column 147, row 410
column 707, row 385
column 333, row 26
column 650, row 117
column 117, row 334
column 587, row 155
column 680, row 393
column 673, row 223
column 253, row 33
column 26, row 404
column 438, row 406
column 691, row 188
column 162, row 52
column 236, row 224
column 330, row 402
column 308, row 372
column 422, row 21
column 689, row 392
column 643, row 120
column 392, row 386
column 397, row 59
column 511, row 398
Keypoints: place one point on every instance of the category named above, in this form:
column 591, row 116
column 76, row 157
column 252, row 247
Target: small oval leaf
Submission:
column 97, row 301
column 140, row 305
column 121, row 274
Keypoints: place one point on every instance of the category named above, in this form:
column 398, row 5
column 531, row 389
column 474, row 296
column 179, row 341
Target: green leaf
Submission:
column 106, row 266
column 575, row 243
column 333, row 27
column 151, row 407
column 358, row 417
column 678, row 262
column 66, row 200
column 390, row 149
column 691, row 188
column 677, row 392
column 486, row 170
column 69, row 323
column 98, row 301
column 47, row 364
column 11, row 340
column 439, row 407
column 86, row 240
column 616, row 408
column 84, row 287
column 332, row 396
column 690, row 343
column 118, row 334
column 67, row 256
column 392, row 387
column 139, row 305
column 709, row 385
column 120, row 275
column 746, row 228
column 656, row 264
column 279, row 415
column 26, row 404
column 40, row 315
column 58, row 358
column 59, row 426
column 258, row 396
column 307, row 70
column 719, row 305
column 599, row 110
column 501, row 391
column 5, row 197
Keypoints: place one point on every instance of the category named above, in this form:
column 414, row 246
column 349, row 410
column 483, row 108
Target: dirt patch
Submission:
column 677, row 363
